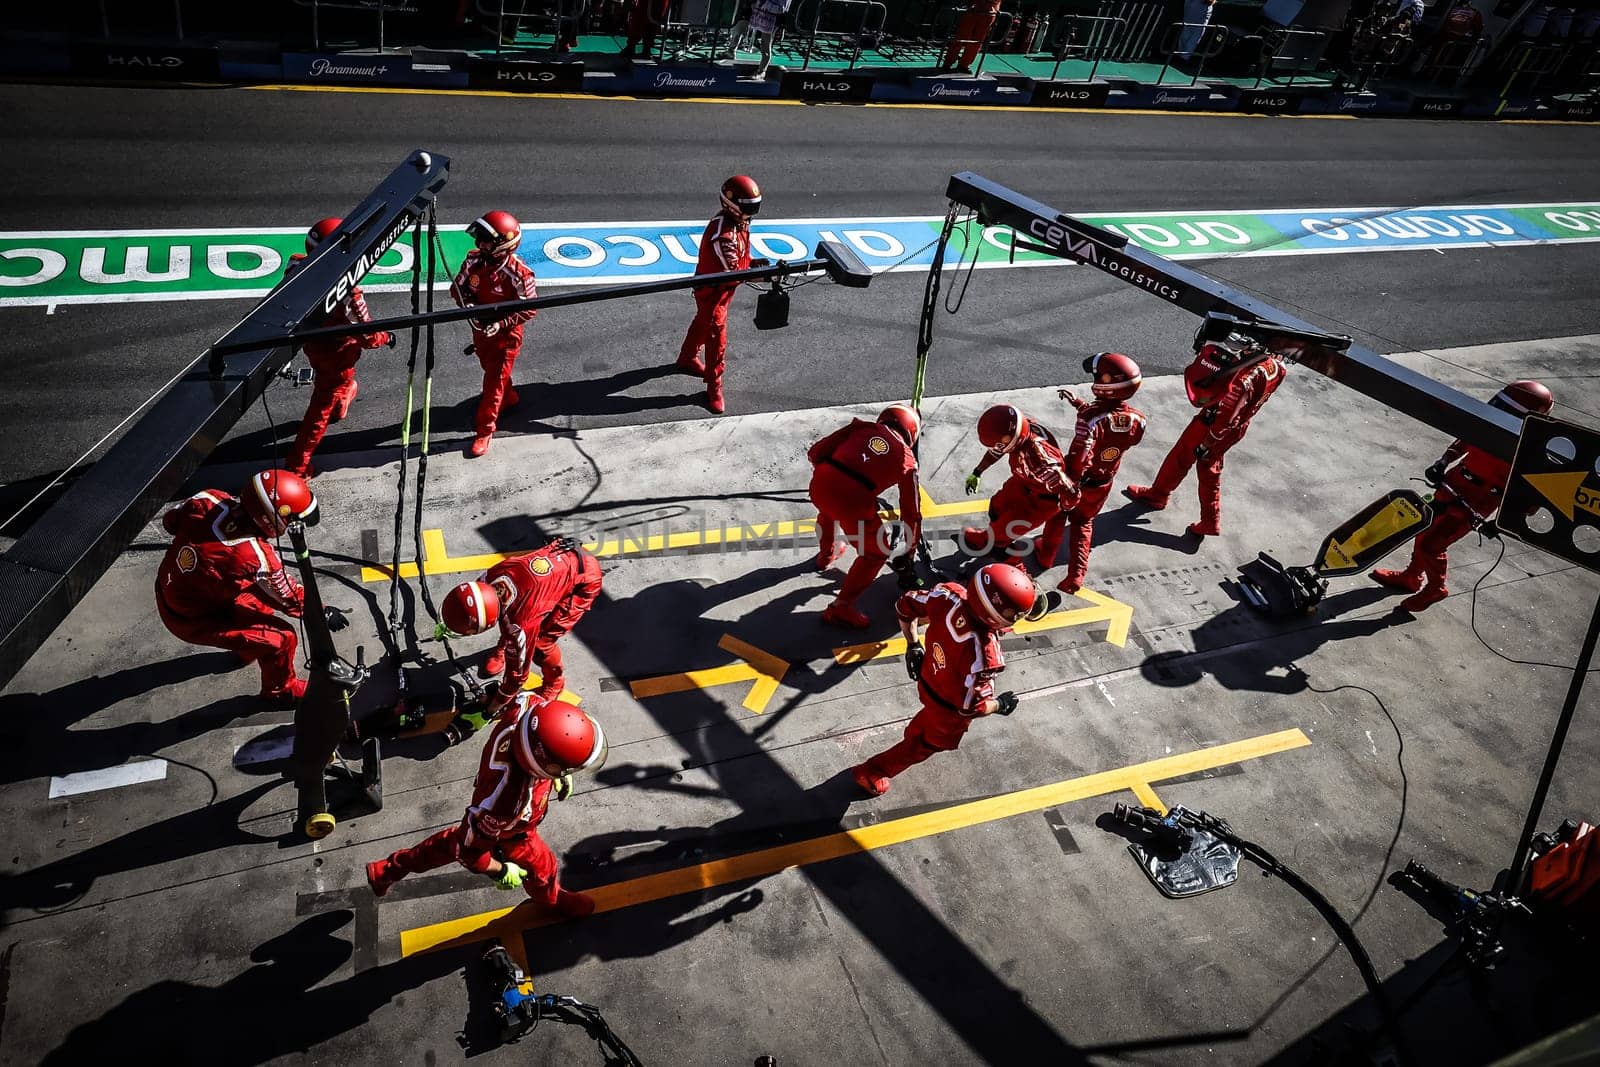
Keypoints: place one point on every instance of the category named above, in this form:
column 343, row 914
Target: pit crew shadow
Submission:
column 61, row 883
column 1131, row 523
column 37, row 740
column 1241, row 650
column 590, row 396
column 280, row 1006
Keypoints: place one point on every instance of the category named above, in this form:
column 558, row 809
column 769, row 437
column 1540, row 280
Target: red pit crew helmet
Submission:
column 556, row 739
column 741, row 195
column 1116, row 377
column 1001, row 427
column 318, row 233
column 496, row 233
column 273, row 499
column 470, row 608
column 904, row 420
column 1525, row 397
column 1000, row 594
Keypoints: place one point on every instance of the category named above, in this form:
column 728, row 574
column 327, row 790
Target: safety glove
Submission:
column 1434, row 474
column 1489, row 528
column 511, row 877
column 1007, row 701
column 562, row 787
column 914, row 654
column 1201, row 451
column 972, row 483
column 336, row 619
column 465, row 725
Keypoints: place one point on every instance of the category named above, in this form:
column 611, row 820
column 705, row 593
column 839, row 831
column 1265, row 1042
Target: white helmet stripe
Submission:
column 477, row 602
column 599, row 743
column 989, row 610
column 258, row 483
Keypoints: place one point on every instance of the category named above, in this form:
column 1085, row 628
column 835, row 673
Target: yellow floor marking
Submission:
column 506, row 922
column 931, row 510
column 1105, row 609
column 770, row 101
column 436, row 559
column 1147, row 796
column 567, row 696
column 760, row 667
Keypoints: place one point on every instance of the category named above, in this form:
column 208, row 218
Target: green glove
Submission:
column 511, row 877
column 972, row 484
column 563, row 787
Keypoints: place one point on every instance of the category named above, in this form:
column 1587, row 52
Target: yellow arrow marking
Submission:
column 1105, row 609
column 762, row 668
column 931, row 510
column 567, row 696
column 1566, row 491
column 506, row 922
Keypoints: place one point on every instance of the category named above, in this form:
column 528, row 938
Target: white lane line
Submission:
column 150, row 770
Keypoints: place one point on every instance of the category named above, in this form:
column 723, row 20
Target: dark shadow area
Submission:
column 1132, row 523
column 36, row 739
column 63, row 882
column 1455, row 1013
column 268, row 1011
column 1263, row 646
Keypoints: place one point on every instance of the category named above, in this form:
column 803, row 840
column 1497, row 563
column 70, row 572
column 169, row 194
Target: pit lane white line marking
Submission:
column 151, row 770
column 49, row 309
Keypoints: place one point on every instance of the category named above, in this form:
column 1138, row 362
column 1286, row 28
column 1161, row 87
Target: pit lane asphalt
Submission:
column 87, row 158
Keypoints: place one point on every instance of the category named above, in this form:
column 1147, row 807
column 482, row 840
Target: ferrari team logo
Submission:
column 1110, row 455
column 540, row 566
column 188, row 559
column 960, row 623
column 879, row 446
column 938, row 655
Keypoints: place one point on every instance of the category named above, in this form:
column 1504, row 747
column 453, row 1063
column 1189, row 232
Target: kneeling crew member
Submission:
column 222, row 584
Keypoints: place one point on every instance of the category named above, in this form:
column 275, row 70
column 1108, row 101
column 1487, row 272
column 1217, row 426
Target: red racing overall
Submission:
column 851, row 467
column 501, row 824
column 970, row 34
column 482, row 280
column 226, row 592
column 1219, row 426
column 543, row 594
column 1038, row 493
column 724, row 246
column 1106, row 430
column 960, row 661
column 334, row 385
column 1469, row 494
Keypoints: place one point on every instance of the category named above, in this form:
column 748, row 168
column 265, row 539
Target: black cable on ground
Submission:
column 1484, row 641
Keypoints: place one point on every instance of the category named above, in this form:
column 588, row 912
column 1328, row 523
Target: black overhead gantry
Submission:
column 57, row 561
column 1041, row 228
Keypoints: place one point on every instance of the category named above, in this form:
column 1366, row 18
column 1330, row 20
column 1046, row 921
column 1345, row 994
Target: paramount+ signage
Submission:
column 1070, row 94
column 346, row 68
column 823, row 86
column 685, row 81
column 144, row 62
column 525, row 77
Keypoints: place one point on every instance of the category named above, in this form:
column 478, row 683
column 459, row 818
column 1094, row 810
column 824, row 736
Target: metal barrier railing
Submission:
column 870, row 18
column 1141, row 22
column 1376, row 47
column 998, row 29
column 701, row 30
column 1448, row 63
column 382, row 8
column 1297, row 52
column 560, row 19
column 1086, row 38
column 1205, row 41
column 1531, row 60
